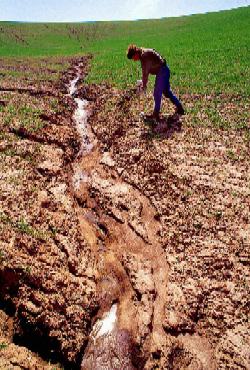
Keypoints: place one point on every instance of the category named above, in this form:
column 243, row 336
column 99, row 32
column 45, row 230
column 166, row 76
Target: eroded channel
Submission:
column 121, row 227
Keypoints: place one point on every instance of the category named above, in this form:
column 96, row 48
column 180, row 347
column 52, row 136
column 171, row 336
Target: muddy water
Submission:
column 120, row 226
column 80, row 117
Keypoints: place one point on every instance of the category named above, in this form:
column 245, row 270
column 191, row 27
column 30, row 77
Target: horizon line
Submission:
column 123, row 20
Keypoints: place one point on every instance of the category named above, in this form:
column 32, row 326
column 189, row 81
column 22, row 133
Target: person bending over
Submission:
column 153, row 63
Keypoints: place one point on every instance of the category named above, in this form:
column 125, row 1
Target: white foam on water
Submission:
column 80, row 118
column 72, row 86
column 78, row 178
column 107, row 324
column 80, row 114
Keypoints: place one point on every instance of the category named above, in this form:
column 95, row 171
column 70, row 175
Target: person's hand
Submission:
column 139, row 83
column 139, row 87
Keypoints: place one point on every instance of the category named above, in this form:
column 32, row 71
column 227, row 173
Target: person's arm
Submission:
column 145, row 73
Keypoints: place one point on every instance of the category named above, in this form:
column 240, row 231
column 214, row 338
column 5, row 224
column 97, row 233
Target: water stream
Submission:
column 104, row 327
column 80, row 117
column 120, row 320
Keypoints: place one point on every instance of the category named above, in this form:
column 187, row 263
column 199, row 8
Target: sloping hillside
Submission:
column 124, row 244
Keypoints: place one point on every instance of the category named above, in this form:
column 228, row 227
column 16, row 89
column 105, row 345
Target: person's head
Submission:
column 133, row 52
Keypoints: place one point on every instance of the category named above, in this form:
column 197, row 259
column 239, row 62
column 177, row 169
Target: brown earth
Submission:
column 154, row 220
column 47, row 269
column 197, row 181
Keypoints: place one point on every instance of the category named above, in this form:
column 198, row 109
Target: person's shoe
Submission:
column 180, row 110
column 152, row 117
column 156, row 116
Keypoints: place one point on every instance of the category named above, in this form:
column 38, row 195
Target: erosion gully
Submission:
column 121, row 227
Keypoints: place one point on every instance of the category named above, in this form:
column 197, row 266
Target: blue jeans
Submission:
column 162, row 86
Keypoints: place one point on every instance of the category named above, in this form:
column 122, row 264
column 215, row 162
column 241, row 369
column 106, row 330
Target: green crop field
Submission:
column 207, row 53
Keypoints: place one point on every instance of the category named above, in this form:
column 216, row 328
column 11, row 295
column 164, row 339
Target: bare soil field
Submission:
column 133, row 254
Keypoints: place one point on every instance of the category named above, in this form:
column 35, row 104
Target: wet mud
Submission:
column 131, row 265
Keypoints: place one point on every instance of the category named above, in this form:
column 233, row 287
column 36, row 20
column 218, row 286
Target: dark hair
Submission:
column 132, row 49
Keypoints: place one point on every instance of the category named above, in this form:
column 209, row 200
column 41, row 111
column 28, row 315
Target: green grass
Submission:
column 26, row 116
column 207, row 53
column 3, row 345
column 24, row 227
